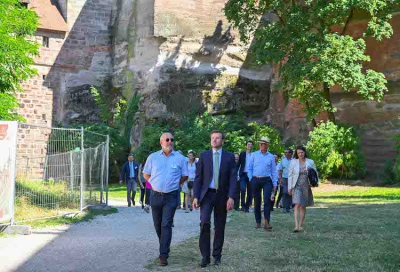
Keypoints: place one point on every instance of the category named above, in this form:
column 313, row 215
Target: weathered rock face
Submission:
column 184, row 56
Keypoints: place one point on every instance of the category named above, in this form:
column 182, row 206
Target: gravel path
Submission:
column 124, row 241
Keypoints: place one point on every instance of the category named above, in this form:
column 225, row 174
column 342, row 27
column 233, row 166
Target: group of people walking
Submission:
column 218, row 182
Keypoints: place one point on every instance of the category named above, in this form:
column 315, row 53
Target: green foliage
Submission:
column 118, row 117
column 17, row 49
column 8, row 105
column 105, row 113
column 389, row 175
column 258, row 131
column 119, row 147
column 336, row 151
column 396, row 166
column 194, row 133
column 308, row 41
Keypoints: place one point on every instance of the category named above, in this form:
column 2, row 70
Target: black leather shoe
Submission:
column 217, row 261
column 204, row 262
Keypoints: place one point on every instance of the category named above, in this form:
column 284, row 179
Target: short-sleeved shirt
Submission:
column 192, row 170
column 284, row 166
column 165, row 171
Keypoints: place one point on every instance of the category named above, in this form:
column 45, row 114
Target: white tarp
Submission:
column 8, row 146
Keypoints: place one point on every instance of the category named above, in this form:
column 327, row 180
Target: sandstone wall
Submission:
column 183, row 56
column 83, row 60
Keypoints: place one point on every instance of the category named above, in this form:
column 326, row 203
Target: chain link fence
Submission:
column 59, row 171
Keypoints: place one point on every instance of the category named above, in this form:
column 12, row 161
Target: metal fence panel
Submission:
column 59, row 171
column 8, row 140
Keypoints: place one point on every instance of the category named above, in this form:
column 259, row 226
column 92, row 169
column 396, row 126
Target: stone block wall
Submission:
column 83, row 60
column 377, row 122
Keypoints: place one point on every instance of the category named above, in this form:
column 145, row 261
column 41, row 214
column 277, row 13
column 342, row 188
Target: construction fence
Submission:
column 57, row 171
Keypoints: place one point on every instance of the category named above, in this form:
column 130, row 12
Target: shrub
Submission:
column 396, row 167
column 336, row 151
column 389, row 175
column 194, row 133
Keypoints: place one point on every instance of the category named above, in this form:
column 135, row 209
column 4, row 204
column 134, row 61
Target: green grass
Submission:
column 361, row 195
column 117, row 192
column 351, row 229
column 37, row 199
column 85, row 216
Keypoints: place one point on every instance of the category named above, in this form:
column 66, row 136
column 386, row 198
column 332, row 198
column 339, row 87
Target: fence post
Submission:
column 107, row 166
column 82, row 168
column 14, row 180
column 71, row 170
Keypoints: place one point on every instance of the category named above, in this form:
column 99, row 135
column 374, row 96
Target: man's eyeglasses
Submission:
column 169, row 139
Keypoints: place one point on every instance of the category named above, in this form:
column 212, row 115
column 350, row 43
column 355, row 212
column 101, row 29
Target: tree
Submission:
column 308, row 41
column 17, row 49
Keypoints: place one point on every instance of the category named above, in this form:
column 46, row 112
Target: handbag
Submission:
column 190, row 184
column 312, row 177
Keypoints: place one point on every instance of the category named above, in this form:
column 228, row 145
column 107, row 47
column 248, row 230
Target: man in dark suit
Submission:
column 244, row 183
column 214, row 189
column 129, row 175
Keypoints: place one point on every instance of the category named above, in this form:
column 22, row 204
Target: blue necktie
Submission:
column 132, row 174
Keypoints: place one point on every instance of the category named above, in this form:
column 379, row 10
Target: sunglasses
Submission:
column 168, row 139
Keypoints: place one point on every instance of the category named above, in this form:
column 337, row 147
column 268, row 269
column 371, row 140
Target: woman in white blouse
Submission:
column 299, row 185
column 187, row 187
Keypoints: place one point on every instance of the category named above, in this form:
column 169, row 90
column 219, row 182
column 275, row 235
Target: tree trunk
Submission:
column 327, row 96
column 313, row 122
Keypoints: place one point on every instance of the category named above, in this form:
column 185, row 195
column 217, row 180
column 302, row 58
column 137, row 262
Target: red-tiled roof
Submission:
column 49, row 16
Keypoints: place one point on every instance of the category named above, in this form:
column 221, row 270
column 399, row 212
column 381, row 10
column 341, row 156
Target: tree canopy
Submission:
column 308, row 41
column 17, row 49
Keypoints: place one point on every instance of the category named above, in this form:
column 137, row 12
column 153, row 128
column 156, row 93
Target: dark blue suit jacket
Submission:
column 125, row 173
column 241, row 163
column 204, row 175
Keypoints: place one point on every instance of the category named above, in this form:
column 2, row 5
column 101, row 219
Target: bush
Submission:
column 389, row 175
column 194, row 133
column 336, row 151
column 396, row 167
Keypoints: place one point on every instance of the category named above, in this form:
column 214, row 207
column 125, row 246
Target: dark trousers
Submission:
column 163, row 209
column 217, row 202
column 142, row 195
column 131, row 191
column 287, row 199
column 179, row 196
column 148, row 196
column 277, row 200
column 259, row 186
column 243, row 192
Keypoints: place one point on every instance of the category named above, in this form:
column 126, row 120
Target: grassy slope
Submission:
column 349, row 229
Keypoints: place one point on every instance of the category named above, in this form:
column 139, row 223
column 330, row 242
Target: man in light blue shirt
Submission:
column 165, row 170
column 283, row 170
column 263, row 175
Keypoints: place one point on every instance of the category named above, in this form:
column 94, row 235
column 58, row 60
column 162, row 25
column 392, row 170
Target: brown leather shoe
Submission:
column 258, row 225
column 267, row 225
column 163, row 260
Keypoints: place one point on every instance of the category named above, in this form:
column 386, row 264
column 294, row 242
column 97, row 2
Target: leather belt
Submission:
column 212, row 190
column 261, row 178
column 161, row 193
